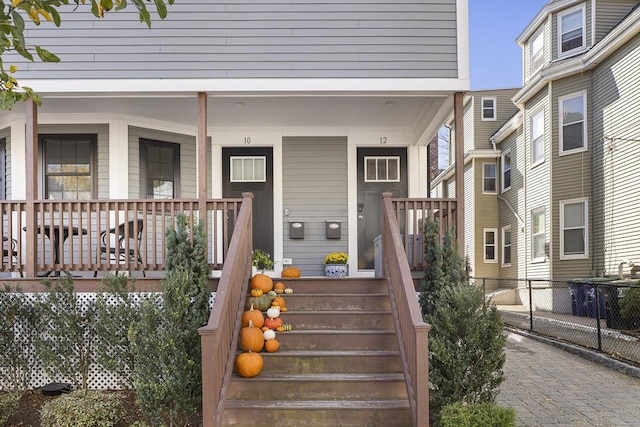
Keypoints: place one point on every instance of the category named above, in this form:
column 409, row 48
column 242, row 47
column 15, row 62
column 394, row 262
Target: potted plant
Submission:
column 261, row 260
column 335, row 264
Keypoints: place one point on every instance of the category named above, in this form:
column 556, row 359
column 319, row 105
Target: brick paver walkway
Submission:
column 548, row 386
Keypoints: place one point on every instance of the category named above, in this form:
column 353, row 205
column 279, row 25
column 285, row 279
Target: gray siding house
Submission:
column 316, row 108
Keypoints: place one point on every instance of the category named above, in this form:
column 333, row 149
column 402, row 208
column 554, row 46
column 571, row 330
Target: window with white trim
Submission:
column 573, row 123
column 571, row 30
column 538, row 235
column 489, row 109
column 248, row 169
column 536, row 53
column 506, row 170
column 574, row 229
column 382, row 169
column 159, row 169
column 490, row 245
column 489, row 177
column 537, row 138
column 506, row 246
column 69, row 166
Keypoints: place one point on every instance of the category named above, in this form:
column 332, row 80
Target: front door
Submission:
column 379, row 170
column 251, row 170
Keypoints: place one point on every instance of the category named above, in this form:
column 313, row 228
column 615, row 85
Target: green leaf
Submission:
column 23, row 52
column 122, row 5
column 18, row 21
column 46, row 56
column 145, row 17
column 7, row 100
column 162, row 8
column 94, row 8
column 56, row 16
column 107, row 5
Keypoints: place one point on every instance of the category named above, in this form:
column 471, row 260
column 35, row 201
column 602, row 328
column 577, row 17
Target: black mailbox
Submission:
column 333, row 229
column 296, row 229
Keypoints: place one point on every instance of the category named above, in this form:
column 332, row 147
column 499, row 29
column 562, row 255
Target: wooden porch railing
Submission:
column 68, row 235
column 219, row 337
column 402, row 242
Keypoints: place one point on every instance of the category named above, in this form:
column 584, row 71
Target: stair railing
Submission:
column 219, row 337
column 411, row 330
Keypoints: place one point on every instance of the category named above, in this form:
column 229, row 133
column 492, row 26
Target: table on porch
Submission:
column 54, row 233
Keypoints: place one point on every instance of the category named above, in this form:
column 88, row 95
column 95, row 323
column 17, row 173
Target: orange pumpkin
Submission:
column 262, row 281
column 257, row 292
column 273, row 323
column 290, row 272
column 271, row 346
column 279, row 301
column 254, row 316
column 249, row 364
column 279, row 287
column 251, row 338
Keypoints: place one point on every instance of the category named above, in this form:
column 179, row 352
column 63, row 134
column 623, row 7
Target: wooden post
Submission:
column 31, row 159
column 202, row 158
column 458, row 112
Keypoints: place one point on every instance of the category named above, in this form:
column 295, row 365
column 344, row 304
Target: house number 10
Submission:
column 247, row 140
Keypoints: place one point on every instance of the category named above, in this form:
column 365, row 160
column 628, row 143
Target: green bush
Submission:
column 87, row 408
column 630, row 307
column 8, row 406
column 480, row 415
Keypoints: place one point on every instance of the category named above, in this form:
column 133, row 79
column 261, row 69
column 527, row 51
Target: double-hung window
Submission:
column 573, row 123
column 69, row 165
column 490, row 245
column 160, row 169
column 489, row 178
column 506, row 246
column 571, row 30
column 538, row 235
column 574, row 229
column 488, row 109
column 537, row 138
column 506, row 170
column 536, row 52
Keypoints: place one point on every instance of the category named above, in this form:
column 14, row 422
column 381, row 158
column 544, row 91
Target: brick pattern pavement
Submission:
column 548, row 386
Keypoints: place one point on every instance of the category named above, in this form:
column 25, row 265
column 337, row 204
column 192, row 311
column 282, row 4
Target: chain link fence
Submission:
column 599, row 314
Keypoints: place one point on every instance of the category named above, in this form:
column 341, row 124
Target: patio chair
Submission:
column 122, row 244
column 11, row 251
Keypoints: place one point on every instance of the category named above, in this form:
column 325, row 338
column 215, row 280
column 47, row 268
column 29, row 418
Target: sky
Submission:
column 495, row 57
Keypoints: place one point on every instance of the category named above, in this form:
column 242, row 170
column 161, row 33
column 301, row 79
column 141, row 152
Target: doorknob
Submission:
column 360, row 216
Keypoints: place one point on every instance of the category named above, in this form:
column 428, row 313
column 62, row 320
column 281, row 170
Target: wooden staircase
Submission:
column 339, row 366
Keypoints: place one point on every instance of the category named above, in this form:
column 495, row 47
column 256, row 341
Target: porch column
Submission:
column 31, row 160
column 201, row 151
column 458, row 112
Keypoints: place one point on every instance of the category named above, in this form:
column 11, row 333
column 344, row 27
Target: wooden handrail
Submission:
column 219, row 337
column 411, row 330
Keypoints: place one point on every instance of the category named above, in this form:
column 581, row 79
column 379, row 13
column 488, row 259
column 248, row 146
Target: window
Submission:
column 248, row 169
column 488, row 109
column 160, row 169
column 537, row 138
column 573, row 126
column 489, row 177
column 68, row 166
column 538, row 235
column 573, row 226
column 506, row 170
column 506, row 246
column 490, row 245
column 536, row 51
column 382, row 169
column 571, row 30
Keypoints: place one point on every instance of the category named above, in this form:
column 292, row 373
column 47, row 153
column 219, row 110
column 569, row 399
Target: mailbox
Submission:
column 296, row 229
column 333, row 229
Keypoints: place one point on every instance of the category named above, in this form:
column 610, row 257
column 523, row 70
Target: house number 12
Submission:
column 383, row 140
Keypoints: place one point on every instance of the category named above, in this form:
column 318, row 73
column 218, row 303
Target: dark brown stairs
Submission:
column 339, row 366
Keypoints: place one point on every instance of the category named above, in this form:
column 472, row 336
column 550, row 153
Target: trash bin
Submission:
column 612, row 307
column 590, row 300
column 578, row 303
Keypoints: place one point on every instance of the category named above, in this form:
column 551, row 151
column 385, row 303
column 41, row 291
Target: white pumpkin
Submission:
column 269, row 334
column 273, row 312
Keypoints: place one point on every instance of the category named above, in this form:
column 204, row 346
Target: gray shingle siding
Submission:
column 249, row 39
column 609, row 13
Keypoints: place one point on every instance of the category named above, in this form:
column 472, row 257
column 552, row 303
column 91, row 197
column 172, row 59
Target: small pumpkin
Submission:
column 271, row 346
column 261, row 303
column 279, row 301
column 279, row 287
column 254, row 316
column 287, row 327
column 269, row 335
column 290, row 272
column 288, row 290
column 273, row 312
column 249, row 364
column 283, row 309
column 257, row 292
column 280, row 329
column 272, row 294
column 251, row 338
column 261, row 281
column 273, row 323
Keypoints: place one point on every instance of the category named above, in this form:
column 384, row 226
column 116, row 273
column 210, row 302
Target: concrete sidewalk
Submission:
column 548, row 386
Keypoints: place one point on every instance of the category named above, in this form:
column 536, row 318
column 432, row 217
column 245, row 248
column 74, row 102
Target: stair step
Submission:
column 339, row 319
column 318, row 413
column 337, row 302
column 317, row 362
column 319, row 387
column 332, row 339
column 335, row 286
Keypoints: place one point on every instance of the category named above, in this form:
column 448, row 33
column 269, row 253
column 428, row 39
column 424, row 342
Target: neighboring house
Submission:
column 485, row 166
column 566, row 207
column 314, row 108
